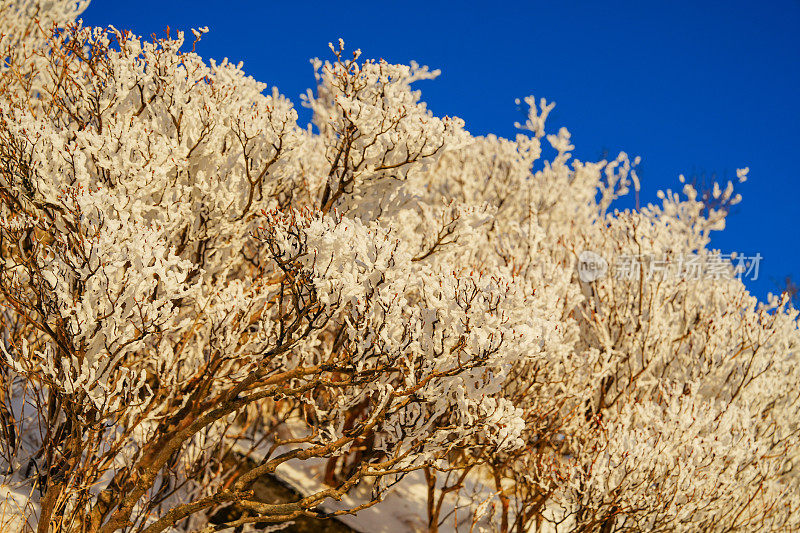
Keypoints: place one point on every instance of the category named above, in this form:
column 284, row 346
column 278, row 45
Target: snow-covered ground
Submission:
column 403, row 508
column 15, row 505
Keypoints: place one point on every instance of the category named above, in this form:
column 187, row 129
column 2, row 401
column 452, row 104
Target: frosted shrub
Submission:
column 195, row 291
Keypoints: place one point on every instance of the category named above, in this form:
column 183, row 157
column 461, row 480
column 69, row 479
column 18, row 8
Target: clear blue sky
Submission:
column 698, row 88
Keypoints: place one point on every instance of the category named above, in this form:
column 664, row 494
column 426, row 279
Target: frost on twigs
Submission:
column 195, row 292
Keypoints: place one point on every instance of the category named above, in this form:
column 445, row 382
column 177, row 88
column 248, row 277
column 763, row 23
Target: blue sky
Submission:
column 699, row 88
